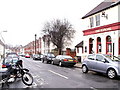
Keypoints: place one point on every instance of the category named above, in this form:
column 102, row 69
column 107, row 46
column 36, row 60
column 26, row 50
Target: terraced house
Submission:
column 102, row 29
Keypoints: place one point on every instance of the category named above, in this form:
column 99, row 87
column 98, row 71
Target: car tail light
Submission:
column 75, row 61
column 3, row 66
column 65, row 60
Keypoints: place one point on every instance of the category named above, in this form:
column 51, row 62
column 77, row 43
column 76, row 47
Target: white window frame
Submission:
column 91, row 22
column 97, row 18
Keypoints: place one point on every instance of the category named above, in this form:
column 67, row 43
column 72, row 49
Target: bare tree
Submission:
column 46, row 40
column 60, row 32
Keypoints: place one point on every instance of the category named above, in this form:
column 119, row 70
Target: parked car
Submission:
column 27, row 56
column 102, row 63
column 22, row 55
column 64, row 60
column 36, row 57
column 41, row 57
column 9, row 61
column 48, row 57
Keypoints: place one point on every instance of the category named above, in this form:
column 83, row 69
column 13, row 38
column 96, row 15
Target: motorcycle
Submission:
column 16, row 71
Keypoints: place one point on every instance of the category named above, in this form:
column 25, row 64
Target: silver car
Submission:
column 102, row 63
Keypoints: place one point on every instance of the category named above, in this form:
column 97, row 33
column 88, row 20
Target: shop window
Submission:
column 91, row 22
column 108, row 45
column 97, row 17
column 99, row 46
column 91, row 46
column 119, row 45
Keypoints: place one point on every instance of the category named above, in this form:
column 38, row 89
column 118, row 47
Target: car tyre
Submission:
column 52, row 62
column 111, row 73
column 60, row 64
column 84, row 69
column 42, row 61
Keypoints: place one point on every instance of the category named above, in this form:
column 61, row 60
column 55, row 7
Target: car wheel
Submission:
column 111, row 73
column 42, row 61
column 49, row 62
column 52, row 62
column 60, row 64
column 84, row 69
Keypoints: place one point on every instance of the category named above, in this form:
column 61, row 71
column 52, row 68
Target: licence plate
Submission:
column 70, row 60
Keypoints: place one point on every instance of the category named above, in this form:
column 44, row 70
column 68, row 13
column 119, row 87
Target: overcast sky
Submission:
column 24, row 18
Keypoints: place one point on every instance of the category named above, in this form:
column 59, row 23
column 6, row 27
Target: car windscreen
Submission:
column 113, row 58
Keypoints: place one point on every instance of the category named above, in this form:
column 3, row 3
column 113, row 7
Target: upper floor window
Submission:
column 91, row 22
column 97, row 17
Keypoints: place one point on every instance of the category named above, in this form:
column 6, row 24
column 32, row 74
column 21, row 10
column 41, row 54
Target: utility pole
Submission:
column 3, row 42
column 35, row 43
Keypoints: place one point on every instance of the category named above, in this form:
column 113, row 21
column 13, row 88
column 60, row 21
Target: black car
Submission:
column 36, row 57
column 48, row 57
column 63, row 60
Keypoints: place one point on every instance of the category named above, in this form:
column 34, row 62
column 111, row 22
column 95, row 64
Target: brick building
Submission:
column 32, row 48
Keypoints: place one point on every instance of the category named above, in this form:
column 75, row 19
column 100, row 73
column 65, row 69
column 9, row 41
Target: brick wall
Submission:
column 70, row 52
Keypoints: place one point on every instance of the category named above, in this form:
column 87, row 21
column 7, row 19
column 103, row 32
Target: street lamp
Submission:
column 3, row 42
column 35, row 43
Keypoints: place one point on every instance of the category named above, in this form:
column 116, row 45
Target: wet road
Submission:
column 53, row 76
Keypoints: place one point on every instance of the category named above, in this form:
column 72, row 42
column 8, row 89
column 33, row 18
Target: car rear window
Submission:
column 10, row 60
column 37, row 55
column 67, row 57
column 7, row 61
column 12, row 56
column 51, row 55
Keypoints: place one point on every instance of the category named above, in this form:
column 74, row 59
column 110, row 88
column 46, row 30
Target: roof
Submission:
column 102, row 6
column 79, row 44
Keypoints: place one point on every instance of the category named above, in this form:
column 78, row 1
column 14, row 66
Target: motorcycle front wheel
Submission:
column 27, row 79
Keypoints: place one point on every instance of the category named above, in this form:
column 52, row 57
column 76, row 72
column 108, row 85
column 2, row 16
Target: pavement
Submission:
column 78, row 65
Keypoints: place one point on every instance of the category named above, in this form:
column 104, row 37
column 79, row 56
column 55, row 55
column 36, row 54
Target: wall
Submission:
column 113, row 17
column 114, row 36
column 70, row 52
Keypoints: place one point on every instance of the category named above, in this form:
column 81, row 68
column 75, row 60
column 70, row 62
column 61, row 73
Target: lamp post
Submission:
column 35, row 43
column 3, row 42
